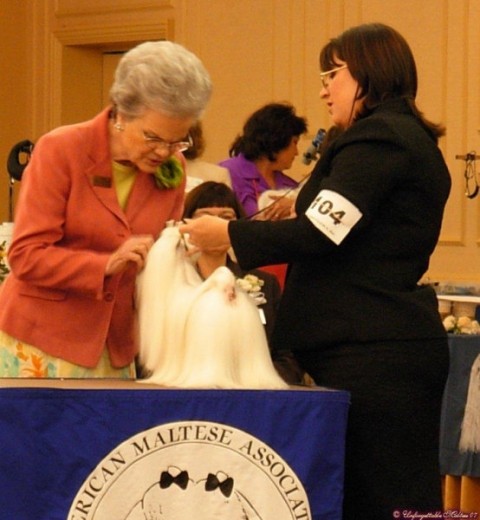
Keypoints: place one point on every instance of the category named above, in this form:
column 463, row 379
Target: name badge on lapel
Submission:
column 102, row 182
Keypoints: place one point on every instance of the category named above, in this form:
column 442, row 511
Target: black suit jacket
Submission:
column 365, row 288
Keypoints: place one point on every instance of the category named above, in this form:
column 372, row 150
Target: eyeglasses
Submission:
column 224, row 213
column 158, row 143
column 327, row 76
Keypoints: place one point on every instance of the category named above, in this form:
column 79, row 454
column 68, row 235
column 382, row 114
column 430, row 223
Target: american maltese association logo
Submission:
column 193, row 469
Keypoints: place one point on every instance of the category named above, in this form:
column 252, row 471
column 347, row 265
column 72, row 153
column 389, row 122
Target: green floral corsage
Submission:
column 169, row 174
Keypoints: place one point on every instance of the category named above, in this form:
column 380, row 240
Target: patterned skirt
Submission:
column 18, row 359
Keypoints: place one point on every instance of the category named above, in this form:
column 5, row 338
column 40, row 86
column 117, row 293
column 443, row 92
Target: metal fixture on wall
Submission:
column 470, row 174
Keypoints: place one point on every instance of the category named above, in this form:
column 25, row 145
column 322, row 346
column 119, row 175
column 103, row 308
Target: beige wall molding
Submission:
column 80, row 32
column 115, row 34
column 67, row 8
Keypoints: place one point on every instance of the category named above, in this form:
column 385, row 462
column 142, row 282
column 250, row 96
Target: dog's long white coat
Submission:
column 195, row 333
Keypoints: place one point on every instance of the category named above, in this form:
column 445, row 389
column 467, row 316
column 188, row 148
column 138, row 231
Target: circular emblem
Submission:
column 191, row 469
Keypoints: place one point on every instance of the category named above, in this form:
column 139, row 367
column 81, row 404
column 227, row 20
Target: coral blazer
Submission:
column 68, row 222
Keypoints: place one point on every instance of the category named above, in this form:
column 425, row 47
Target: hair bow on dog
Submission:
column 212, row 483
column 181, row 480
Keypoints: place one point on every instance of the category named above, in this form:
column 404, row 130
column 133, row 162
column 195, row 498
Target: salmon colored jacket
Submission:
column 67, row 224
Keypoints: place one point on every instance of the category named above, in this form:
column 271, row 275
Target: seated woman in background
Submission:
column 198, row 170
column 258, row 157
column 214, row 198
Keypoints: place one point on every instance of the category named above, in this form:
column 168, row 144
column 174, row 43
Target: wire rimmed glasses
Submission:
column 327, row 76
column 155, row 143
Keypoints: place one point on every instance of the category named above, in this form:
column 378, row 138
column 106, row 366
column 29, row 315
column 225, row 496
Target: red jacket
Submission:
column 67, row 224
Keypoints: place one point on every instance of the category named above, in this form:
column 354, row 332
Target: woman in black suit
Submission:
column 353, row 310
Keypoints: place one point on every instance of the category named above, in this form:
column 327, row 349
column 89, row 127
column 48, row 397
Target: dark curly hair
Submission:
column 267, row 131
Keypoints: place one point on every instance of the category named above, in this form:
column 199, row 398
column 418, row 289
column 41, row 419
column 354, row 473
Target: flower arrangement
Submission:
column 169, row 174
column 4, row 270
column 252, row 285
column 461, row 325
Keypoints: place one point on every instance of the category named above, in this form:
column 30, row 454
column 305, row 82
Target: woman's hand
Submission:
column 282, row 207
column 134, row 249
column 207, row 234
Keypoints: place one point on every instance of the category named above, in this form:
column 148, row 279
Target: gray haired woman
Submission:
column 94, row 197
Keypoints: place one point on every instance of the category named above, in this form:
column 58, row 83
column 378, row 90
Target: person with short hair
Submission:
column 267, row 146
column 94, row 197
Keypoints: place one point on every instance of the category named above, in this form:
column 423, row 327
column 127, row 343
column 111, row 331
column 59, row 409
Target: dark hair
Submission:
column 198, row 147
column 267, row 131
column 211, row 194
column 381, row 61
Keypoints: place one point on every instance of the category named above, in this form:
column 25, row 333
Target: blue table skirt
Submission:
column 464, row 349
column 72, row 452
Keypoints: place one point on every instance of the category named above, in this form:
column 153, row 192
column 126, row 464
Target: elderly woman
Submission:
column 94, row 197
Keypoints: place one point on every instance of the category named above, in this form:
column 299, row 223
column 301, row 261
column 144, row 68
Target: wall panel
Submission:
column 15, row 90
column 458, row 256
column 240, row 53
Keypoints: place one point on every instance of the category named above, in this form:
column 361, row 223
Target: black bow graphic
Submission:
column 213, row 483
column 166, row 480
